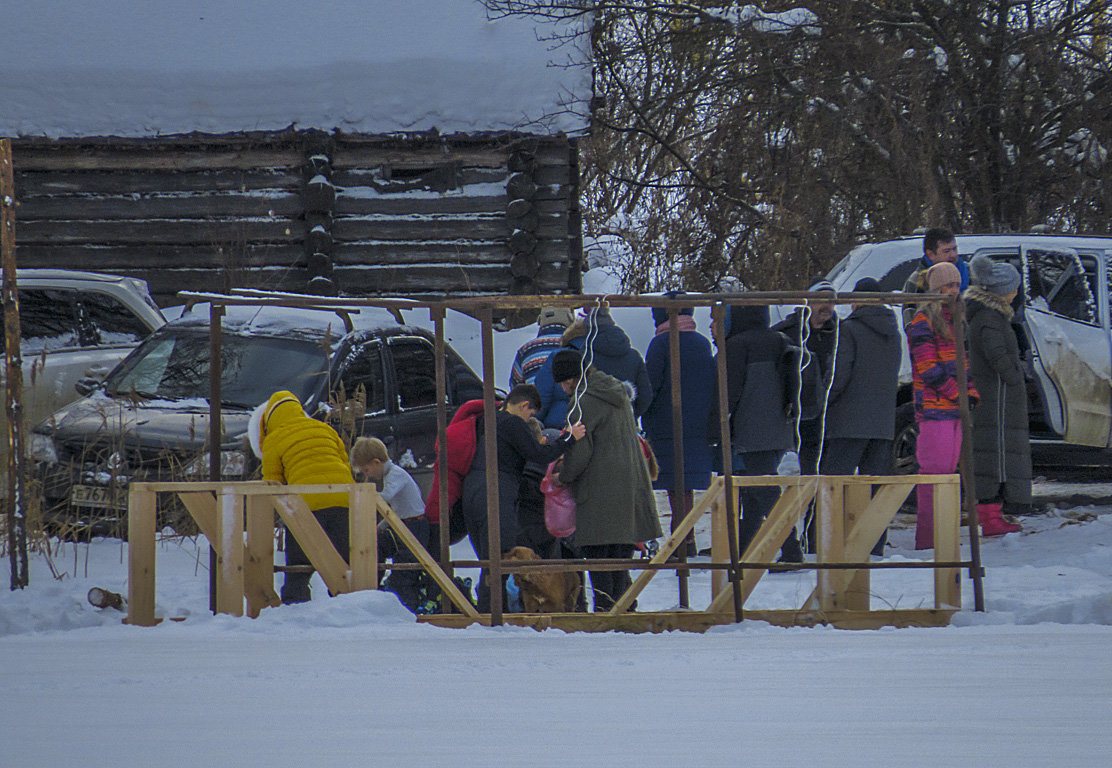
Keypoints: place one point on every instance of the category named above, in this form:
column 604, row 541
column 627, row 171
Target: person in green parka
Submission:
column 615, row 506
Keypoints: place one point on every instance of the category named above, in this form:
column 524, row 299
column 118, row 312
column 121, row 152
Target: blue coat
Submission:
column 697, row 380
column 613, row 354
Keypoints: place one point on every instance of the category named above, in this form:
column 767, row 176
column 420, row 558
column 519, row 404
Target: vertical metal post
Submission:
column 969, row 491
column 215, row 333
column 490, row 443
column 437, row 313
column 718, row 312
column 679, row 486
column 13, row 362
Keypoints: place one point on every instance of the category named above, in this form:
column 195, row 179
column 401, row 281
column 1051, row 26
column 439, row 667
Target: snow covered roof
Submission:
column 136, row 68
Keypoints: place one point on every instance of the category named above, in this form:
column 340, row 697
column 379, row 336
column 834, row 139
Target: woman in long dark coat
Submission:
column 1001, row 448
column 697, row 378
column 607, row 473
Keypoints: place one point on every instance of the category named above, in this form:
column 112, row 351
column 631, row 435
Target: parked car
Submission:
column 1062, row 320
column 75, row 327
column 364, row 372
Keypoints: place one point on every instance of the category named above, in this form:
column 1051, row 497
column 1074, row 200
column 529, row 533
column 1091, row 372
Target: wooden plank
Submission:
column 771, row 535
column 201, row 505
column 204, row 232
column 363, row 531
column 371, row 176
column 830, row 541
column 316, row 545
column 719, row 544
column 426, row 560
column 32, row 184
column 947, row 545
column 403, row 205
column 229, row 556
column 670, row 545
column 258, row 565
column 140, row 556
column 406, row 280
column 700, row 621
column 203, row 205
column 863, row 536
column 412, row 154
column 858, row 592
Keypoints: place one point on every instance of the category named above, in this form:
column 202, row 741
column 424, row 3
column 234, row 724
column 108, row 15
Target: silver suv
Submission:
column 1063, row 322
column 75, row 327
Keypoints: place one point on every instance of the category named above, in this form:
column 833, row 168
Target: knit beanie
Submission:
column 867, row 285
column 566, row 364
column 823, row 286
column 997, row 277
column 940, row 274
column 552, row 315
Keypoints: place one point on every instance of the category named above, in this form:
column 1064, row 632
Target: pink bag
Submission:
column 559, row 505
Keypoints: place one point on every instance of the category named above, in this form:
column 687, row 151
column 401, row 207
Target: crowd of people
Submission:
column 585, row 409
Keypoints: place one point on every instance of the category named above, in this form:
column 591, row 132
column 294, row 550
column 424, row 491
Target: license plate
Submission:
column 98, row 496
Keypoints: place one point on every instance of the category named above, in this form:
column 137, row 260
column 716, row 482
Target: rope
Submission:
column 585, row 360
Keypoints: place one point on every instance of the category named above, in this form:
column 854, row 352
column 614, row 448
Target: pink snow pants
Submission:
column 938, row 450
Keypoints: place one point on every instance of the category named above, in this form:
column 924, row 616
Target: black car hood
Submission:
column 179, row 426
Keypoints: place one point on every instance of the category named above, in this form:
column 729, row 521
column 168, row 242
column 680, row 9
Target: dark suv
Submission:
column 363, row 372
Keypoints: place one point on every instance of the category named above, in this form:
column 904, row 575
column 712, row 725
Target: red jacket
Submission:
column 462, row 440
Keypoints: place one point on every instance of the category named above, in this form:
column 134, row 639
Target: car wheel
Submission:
column 907, row 436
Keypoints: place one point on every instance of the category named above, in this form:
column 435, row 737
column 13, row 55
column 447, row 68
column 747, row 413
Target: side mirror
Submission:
column 87, row 385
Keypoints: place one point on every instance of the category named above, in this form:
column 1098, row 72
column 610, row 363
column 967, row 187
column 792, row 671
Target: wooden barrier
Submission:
column 851, row 512
column 237, row 518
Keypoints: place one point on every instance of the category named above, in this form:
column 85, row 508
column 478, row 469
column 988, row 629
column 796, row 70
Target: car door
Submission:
column 1069, row 341
column 360, row 404
column 414, row 399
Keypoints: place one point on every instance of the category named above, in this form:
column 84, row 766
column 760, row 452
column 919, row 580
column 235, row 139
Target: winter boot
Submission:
column 991, row 517
column 924, row 529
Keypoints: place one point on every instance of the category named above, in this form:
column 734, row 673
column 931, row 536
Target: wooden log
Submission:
column 521, row 186
column 522, row 242
column 858, row 593
column 471, row 252
column 522, row 214
column 33, row 184
column 136, row 159
column 319, row 194
column 140, row 556
column 318, row 240
column 192, row 207
column 202, row 232
column 406, row 279
column 470, row 228
column 102, row 258
column 524, row 265
column 400, row 205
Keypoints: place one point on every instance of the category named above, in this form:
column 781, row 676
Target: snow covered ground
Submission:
column 350, row 680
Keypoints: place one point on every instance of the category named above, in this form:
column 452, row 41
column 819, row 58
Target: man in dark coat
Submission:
column 610, row 352
column 861, row 412
column 816, row 336
column 606, row 470
column 697, row 380
column 760, row 372
column 516, row 446
column 1001, row 446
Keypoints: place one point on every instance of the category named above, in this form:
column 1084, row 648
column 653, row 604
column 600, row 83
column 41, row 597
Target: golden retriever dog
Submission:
column 544, row 591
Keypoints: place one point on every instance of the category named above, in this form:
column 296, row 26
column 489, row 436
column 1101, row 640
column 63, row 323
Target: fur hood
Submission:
column 990, row 300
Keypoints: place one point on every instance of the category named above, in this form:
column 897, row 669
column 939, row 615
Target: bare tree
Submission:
column 761, row 143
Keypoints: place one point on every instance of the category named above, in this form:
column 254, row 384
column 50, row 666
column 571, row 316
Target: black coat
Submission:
column 816, row 368
column 862, row 400
column 760, row 376
column 1001, row 446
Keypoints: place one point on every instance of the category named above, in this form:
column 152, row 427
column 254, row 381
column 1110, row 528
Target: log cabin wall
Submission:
column 423, row 215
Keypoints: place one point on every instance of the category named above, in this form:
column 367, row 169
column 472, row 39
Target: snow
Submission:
column 134, row 68
column 341, row 680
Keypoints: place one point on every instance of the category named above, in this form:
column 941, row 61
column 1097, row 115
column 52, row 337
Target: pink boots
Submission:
column 991, row 517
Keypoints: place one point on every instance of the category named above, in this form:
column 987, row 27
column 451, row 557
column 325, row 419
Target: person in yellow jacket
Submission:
column 298, row 450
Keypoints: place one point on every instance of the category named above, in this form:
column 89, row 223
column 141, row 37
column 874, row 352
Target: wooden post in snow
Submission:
column 16, row 507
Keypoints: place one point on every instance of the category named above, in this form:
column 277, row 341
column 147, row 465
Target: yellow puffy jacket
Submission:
column 299, row 450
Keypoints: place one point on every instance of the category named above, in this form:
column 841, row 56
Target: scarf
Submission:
column 684, row 322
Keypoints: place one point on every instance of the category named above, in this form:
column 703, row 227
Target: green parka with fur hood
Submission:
column 606, row 469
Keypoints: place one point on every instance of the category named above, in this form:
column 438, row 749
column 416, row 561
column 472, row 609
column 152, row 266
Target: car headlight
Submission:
column 42, row 448
column 232, row 464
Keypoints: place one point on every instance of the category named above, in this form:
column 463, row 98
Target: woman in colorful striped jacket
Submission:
column 930, row 337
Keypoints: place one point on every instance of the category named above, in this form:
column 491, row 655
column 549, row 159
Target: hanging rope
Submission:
column 586, row 360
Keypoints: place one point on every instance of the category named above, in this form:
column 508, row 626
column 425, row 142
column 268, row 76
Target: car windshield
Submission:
column 174, row 365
